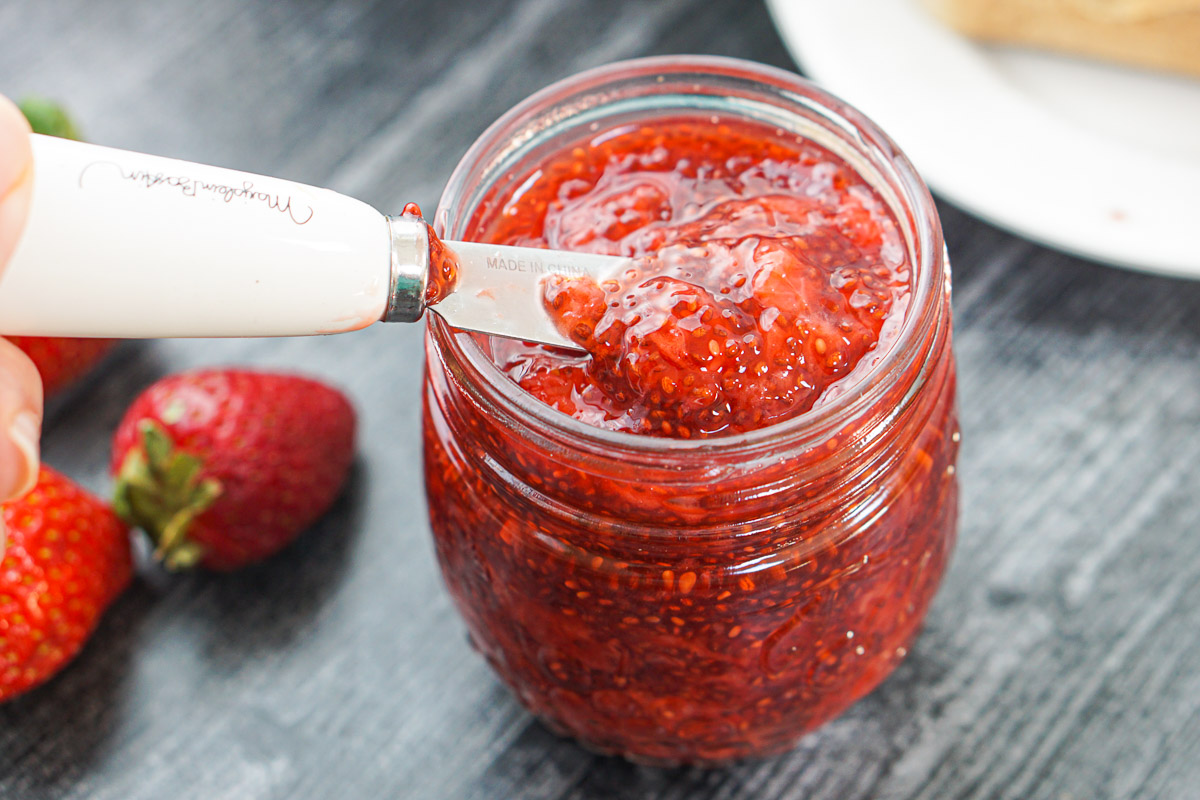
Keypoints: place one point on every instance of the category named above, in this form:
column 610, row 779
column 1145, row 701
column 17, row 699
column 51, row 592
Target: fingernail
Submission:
column 24, row 434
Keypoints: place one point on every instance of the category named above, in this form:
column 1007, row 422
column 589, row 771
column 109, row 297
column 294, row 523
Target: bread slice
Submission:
column 1161, row 34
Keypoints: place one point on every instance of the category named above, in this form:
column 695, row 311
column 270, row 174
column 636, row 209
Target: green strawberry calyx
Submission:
column 160, row 489
column 49, row 118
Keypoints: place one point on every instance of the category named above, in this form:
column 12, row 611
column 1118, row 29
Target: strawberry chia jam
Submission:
column 723, row 523
column 766, row 270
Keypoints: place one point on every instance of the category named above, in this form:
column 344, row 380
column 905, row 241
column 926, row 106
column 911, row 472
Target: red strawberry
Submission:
column 59, row 360
column 225, row 467
column 67, row 559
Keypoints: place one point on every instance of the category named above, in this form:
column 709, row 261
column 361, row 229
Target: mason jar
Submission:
column 694, row 601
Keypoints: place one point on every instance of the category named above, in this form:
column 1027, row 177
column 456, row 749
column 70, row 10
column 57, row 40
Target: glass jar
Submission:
column 695, row 601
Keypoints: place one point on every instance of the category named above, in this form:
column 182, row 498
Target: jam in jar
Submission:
column 722, row 523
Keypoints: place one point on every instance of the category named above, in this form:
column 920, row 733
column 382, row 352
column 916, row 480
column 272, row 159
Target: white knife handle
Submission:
column 128, row 245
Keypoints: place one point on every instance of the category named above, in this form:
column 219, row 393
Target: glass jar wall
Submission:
column 694, row 600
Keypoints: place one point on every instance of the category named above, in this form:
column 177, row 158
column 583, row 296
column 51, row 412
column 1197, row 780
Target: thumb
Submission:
column 16, row 177
column 20, row 387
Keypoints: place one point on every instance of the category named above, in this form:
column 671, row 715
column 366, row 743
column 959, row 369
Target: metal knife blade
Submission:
column 499, row 288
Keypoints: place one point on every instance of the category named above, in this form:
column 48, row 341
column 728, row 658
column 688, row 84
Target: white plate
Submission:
column 1098, row 160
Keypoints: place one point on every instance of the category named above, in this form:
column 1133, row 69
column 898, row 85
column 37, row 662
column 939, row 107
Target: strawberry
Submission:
column 59, row 360
column 67, row 559
column 225, row 467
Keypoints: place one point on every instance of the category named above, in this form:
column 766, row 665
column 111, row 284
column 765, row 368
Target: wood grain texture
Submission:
column 1061, row 659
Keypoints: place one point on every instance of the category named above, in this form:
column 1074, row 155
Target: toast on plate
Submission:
column 1160, row 34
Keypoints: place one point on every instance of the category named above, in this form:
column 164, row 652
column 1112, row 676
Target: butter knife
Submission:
column 128, row 245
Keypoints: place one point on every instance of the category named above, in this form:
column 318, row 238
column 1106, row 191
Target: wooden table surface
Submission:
column 1061, row 659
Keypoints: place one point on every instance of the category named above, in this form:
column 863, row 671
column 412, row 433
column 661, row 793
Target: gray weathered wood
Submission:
column 1060, row 660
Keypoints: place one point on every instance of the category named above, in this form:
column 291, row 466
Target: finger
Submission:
column 16, row 177
column 20, row 421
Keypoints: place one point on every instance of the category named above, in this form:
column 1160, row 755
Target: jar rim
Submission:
column 928, row 264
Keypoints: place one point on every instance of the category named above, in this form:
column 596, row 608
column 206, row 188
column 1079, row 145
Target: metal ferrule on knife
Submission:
column 410, row 269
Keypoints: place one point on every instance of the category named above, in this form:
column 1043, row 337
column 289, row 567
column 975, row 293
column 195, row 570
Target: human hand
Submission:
column 20, row 385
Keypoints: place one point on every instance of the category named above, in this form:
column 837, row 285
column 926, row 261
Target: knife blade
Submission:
column 499, row 288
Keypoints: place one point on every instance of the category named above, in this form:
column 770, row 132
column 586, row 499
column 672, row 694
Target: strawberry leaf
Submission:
column 162, row 490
